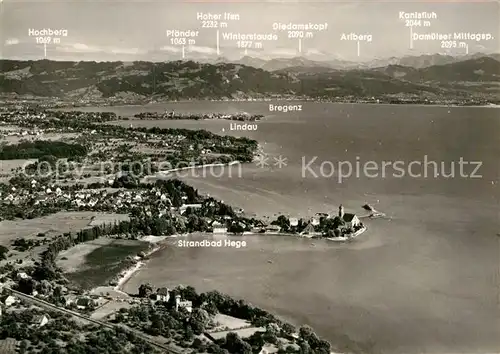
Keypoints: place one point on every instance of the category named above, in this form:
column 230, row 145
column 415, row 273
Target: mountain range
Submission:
column 417, row 62
column 472, row 78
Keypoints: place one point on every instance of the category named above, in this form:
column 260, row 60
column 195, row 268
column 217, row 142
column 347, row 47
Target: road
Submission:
column 48, row 305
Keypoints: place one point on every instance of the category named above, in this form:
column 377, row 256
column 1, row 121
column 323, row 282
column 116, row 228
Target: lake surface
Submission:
column 424, row 280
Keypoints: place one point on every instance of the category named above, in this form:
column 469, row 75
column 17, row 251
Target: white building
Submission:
column 314, row 221
column 40, row 321
column 163, row 294
column 350, row 220
column 218, row 228
column 188, row 305
column 10, row 300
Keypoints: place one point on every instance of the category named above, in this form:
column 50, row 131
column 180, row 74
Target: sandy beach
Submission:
column 126, row 275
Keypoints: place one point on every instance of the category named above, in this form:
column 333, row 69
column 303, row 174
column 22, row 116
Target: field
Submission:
column 6, row 167
column 108, row 309
column 243, row 333
column 228, row 324
column 51, row 225
column 8, row 346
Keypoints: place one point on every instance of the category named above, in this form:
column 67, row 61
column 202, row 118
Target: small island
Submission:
column 340, row 228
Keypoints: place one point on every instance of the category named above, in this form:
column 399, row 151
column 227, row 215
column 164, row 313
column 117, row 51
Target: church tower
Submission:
column 341, row 211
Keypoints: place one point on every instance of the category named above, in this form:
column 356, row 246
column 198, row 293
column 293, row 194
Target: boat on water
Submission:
column 368, row 207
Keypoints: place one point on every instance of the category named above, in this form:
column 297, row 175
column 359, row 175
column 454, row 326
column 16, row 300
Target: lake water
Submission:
column 423, row 280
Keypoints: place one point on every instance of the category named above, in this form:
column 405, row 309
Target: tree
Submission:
column 338, row 222
column 199, row 320
column 283, row 222
column 119, row 317
column 145, row 290
column 188, row 335
column 305, row 332
column 211, row 308
column 288, row 329
column 323, row 347
column 271, row 334
column 3, row 252
column 305, row 348
column 234, row 344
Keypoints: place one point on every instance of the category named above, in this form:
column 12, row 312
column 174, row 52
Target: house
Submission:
column 69, row 299
column 314, row 221
column 268, row 349
column 309, row 229
column 10, row 300
column 188, row 305
column 192, row 206
column 273, row 228
column 218, row 228
column 40, row 320
column 84, row 302
column 22, row 275
column 350, row 220
column 294, row 221
column 162, row 294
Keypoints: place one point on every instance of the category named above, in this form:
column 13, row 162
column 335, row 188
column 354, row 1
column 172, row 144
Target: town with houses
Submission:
column 57, row 202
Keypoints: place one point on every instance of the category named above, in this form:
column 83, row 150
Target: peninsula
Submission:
column 202, row 116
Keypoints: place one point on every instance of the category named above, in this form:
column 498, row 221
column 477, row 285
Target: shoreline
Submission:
column 347, row 238
column 145, row 104
column 68, row 106
column 157, row 243
column 199, row 167
column 127, row 274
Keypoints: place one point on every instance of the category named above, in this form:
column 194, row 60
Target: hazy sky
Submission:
column 136, row 30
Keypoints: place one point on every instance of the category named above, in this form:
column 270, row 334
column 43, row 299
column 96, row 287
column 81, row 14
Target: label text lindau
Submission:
column 417, row 15
column 231, row 36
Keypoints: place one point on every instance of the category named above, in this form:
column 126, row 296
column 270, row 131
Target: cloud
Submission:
column 129, row 51
column 12, row 41
column 171, row 49
column 78, row 48
column 314, row 52
column 85, row 48
column 284, row 52
column 204, row 50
